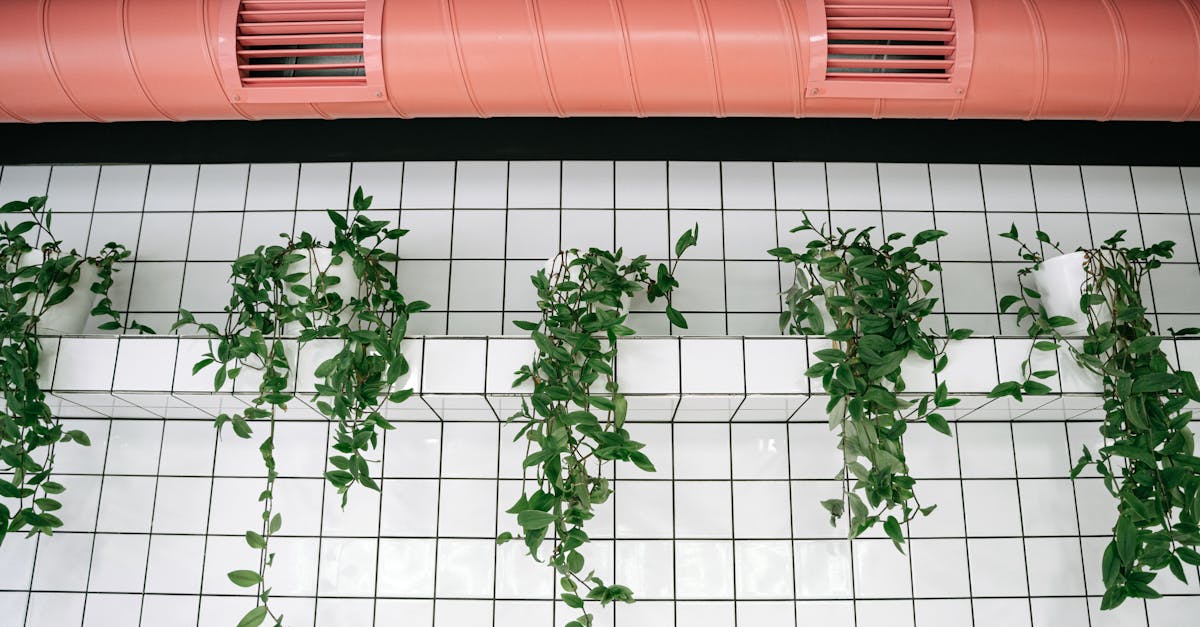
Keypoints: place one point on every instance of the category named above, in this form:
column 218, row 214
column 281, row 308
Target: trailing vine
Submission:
column 876, row 299
column 1149, row 464
column 285, row 289
column 570, row 429
column 34, row 279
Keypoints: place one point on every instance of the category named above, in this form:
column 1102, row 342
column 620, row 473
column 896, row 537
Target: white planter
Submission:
column 1060, row 280
column 70, row 316
column 305, row 362
column 314, row 262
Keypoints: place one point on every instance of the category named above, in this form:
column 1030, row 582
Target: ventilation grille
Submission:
column 890, row 40
column 301, row 43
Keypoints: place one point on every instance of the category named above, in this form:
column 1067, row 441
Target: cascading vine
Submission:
column 876, row 299
column 571, row 428
column 282, row 289
column 37, row 275
column 1149, row 463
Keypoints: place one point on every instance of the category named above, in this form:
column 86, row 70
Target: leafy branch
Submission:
column 34, row 279
column 288, row 290
column 876, row 299
column 571, row 430
column 1149, row 464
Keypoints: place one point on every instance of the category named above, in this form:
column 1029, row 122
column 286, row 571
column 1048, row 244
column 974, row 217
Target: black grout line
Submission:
column 438, row 515
column 962, row 496
column 1078, row 521
column 96, row 527
column 162, row 437
column 1021, row 518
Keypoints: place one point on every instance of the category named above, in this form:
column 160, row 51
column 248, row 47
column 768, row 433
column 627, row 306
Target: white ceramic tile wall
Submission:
column 480, row 228
column 728, row 532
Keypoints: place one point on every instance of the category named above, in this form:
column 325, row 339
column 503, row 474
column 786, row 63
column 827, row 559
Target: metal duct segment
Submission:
column 113, row 60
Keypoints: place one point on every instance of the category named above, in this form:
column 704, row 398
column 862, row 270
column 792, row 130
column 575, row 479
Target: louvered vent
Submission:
column 301, row 43
column 891, row 40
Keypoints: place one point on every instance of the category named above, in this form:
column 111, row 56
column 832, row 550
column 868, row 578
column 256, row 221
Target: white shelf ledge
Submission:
column 685, row 379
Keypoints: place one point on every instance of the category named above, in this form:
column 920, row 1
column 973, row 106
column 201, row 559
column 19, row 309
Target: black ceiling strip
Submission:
column 706, row 139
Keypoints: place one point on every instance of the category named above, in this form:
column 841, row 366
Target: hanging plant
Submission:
column 1089, row 304
column 571, row 428
column 341, row 301
column 43, row 289
column 876, row 299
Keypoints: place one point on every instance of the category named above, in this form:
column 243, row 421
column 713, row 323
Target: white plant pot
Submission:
column 305, row 362
column 314, row 261
column 70, row 316
column 1060, row 280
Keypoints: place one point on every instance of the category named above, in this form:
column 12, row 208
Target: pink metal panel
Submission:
column 499, row 52
column 1084, row 70
column 585, row 49
column 168, row 48
column 1163, row 76
column 423, row 71
column 753, row 53
column 178, row 59
column 88, row 44
column 29, row 86
column 671, row 63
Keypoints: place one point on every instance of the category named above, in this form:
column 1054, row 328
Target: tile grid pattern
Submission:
column 1008, row 543
column 421, row 554
column 474, row 271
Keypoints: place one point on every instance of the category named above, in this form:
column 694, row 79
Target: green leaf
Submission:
column 1060, row 321
column 1127, row 540
column 620, row 409
column 891, row 526
column 338, row 219
column 1188, row 383
column 1155, row 382
column 245, row 578
column 276, row 523
column 1008, row 301
column 939, row 424
column 835, row 507
column 1144, row 344
column 676, row 318
column 48, row 505
column 504, row 537
column 1008, row 388
column 255, row 540
column 831, row 355
column 1110, row 565
column 80, row 437
column 1188, row 555
column 572, row 600
column 534, row 519
column 927, row 236
column 1033, row 388
column 254, row 617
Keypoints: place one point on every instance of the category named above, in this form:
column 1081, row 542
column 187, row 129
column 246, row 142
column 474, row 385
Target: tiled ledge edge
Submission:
column 753, row 378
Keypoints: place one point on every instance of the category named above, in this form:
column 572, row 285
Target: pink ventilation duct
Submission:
column 110, row 60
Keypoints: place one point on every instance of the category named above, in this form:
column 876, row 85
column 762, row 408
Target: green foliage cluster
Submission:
column 1149, row 464
column 36, row 274
column 283, row 288
column 876, row 298
column 574, row 420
